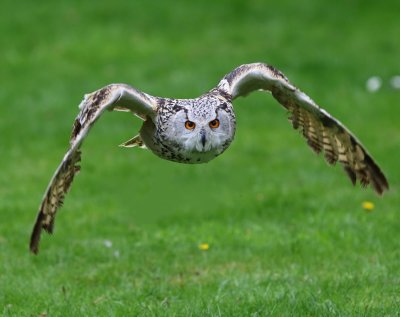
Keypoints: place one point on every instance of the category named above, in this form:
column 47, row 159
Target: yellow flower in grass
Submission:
column 204, row 246
column 368, row 206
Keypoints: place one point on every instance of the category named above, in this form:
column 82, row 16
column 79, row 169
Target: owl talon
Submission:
column 135, row 141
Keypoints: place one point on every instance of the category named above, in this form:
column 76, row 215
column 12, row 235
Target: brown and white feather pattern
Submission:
column 322, row 131
column 210, row 132
column 91, row 108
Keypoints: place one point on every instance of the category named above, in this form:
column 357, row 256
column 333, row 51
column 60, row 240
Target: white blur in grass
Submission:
column 373, row 84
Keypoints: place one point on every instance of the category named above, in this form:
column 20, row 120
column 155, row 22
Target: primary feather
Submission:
column 91, row 108
column 322, row 131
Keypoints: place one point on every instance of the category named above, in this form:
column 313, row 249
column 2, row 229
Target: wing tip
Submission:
column 382, row 186
column 378, row 180
column 36, row 233
column 375, row 178
column 34, row 244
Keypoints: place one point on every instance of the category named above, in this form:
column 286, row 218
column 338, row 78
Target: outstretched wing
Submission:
column 322, row 131
column 112, row 97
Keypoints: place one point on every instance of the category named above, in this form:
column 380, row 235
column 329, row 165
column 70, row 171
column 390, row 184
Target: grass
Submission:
column 287, row 235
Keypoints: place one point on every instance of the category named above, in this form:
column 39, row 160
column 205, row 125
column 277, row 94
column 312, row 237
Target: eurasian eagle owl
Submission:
column 197, row 130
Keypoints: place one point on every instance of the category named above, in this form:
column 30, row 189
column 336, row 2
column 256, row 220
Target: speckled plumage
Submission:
column 157, row 136
column 197, row 130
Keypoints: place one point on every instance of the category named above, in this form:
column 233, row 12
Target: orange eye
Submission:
column 190, row 125
column 214, row 124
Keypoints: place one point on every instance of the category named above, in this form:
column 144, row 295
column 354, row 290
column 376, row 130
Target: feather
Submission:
column 91, row 108
column 322, row 132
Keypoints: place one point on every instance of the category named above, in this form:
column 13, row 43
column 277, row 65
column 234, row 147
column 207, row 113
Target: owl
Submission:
column 198, row 130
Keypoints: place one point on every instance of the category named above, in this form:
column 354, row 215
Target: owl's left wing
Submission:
column 322, row 131
column 112, row 97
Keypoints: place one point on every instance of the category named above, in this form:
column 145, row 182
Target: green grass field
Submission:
column 287, row 235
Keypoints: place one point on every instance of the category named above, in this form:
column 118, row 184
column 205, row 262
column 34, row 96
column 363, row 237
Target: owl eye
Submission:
column 214, row 124
column 190, row 125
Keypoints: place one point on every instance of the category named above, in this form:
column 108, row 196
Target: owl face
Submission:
column 197, row 130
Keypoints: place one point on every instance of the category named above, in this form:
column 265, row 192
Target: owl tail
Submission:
column 135, row 141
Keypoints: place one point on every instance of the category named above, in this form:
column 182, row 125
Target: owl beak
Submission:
column 202, row 141
column 203, row 137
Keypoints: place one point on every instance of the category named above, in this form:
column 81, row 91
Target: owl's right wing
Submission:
column 322, row 131
column 112, row 97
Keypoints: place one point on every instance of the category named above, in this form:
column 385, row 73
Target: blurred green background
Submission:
column 286, row 234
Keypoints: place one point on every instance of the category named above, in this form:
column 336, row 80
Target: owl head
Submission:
column 196, row 130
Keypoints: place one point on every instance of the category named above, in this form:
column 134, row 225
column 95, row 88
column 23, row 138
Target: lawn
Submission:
column 267, row 229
